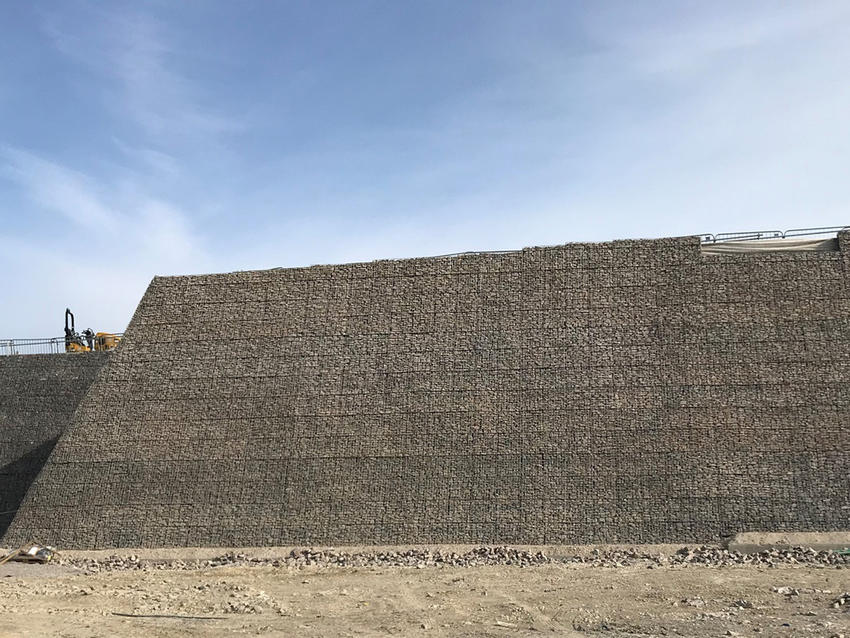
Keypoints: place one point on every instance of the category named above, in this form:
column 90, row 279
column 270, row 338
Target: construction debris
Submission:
column 30, row 554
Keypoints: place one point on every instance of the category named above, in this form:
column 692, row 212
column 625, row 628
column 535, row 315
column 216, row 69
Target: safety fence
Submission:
column 752, row 235
column 51, row 345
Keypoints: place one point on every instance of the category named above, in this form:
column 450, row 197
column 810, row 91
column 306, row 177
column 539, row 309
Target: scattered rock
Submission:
column 702, row 556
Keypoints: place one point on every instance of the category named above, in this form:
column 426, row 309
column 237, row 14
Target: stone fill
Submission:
column 633, row 391
column 38, row 395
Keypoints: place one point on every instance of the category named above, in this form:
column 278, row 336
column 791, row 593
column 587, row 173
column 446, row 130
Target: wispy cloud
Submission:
column 135, row 222
column 108, row 242
column 140, row 65
column 120, row 219
column 59, row 190
column 160, row 163
column 156, row 95
column 166, row 236
column 688, row 38
column 387, row 136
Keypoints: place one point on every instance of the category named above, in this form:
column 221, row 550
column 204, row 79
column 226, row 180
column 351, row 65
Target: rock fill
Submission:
column 38, row 397
column 634, row 391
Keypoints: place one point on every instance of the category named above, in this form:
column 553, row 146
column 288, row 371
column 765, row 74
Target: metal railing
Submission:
column 52, row 345
column 705, row 238
column 708, row 238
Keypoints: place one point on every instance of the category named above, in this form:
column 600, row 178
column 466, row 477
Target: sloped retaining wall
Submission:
column 634, row 391
column 38, row 395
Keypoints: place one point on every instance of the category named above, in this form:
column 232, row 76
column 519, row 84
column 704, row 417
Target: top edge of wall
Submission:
column 688, row 242
column 683, row 241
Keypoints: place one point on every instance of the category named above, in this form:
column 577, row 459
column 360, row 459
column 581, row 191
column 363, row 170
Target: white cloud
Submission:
column 159, row 162
column 165, row 235
column 47, row 278
column 156, row 95
column 140, row 66
column 682, row 38
column 103, row 261
column 681, row 119
column 58, row 190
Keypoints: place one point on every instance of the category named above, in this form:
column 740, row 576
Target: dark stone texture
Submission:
column 633, row 391
column 38, row 396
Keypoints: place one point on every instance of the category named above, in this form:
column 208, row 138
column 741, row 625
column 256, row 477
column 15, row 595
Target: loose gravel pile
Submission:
column 703, row 556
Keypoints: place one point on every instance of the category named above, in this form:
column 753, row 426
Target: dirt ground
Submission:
column 554, row 599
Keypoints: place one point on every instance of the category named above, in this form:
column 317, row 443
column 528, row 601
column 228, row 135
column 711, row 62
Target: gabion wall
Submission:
column 633, row 391
column 38, row 395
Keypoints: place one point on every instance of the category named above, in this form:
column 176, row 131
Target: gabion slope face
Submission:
column 38, row 396
column 633, row 391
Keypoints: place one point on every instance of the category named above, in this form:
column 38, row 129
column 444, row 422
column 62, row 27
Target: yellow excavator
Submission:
column 88, row 341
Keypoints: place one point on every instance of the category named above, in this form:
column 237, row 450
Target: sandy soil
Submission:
column 562, row 600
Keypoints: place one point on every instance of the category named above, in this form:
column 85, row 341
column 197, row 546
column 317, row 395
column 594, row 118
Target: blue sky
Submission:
column 146, row 138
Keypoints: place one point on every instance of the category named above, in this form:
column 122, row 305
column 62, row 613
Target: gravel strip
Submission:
column 420, row 558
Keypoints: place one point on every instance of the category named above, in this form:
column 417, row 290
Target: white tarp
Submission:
column 769, row 245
